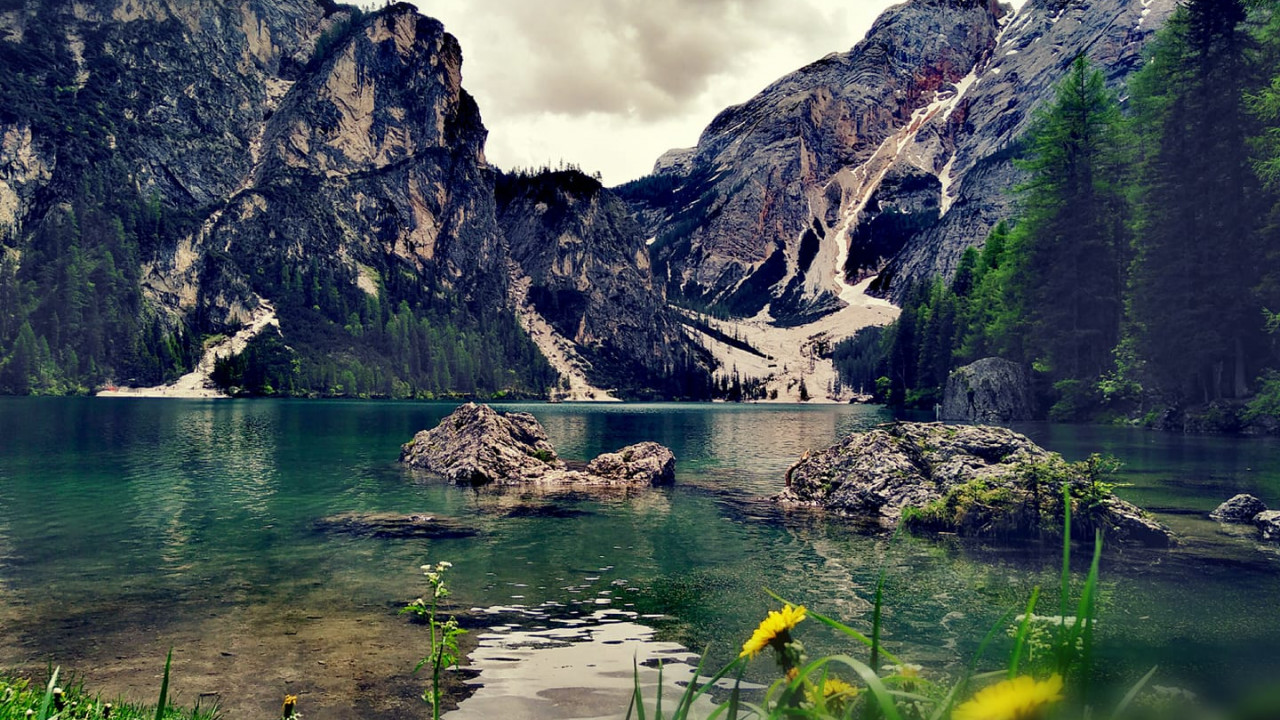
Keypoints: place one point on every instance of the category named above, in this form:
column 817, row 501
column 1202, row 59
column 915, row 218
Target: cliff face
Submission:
column 305, row 158
column 581, row 264
column 889, row 159
column 370, row 158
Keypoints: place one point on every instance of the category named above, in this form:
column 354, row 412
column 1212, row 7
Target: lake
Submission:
column 128, row 526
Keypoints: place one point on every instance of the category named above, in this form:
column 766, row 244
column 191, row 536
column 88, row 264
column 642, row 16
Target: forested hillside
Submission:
column 1140, row 274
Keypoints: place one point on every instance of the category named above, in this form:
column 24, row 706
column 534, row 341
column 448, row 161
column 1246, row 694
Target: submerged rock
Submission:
column 394, row 525
column 989, row 390
column 970, row 480
column 477, row 445
column 1240, row 509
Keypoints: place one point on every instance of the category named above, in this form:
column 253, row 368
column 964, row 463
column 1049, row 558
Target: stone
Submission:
column 477, row 445
column 1268, row 524
column 965, row 479
column 1240, row 509
column 990, row 390
column 394, row 525
column 642, row 463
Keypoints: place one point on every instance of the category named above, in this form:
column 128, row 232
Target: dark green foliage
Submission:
column 1200, row 245
column 857, row 359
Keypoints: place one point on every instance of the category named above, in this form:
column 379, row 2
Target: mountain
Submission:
column 585, row 286
column 883, row 162
column 174, row 171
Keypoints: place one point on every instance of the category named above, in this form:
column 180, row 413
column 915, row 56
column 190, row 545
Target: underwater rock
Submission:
column 394, row 525
column 964, row 479
column 1240, row 509
column 477, row 445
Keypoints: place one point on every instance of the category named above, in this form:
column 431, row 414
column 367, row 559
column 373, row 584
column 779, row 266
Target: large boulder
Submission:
column 989, row 390
column 477, row 445
column 642, row 463
column 970, row 480
column 1240, row 509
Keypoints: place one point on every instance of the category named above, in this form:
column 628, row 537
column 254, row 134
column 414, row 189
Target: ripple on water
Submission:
column 581, row 666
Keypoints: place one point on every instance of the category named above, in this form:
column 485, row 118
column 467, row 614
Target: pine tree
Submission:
column 1196, row 317
column 1067, row 251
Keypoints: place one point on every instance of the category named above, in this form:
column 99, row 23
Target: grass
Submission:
column 1047, row 673
column 67, row 699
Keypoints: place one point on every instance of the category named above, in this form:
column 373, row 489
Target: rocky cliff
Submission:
column 887, row 160
column 300, row 152
column 583, row 278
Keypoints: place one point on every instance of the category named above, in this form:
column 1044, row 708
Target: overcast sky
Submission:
column 612, row 84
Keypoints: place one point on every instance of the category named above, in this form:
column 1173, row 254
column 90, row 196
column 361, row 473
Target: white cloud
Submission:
column 611, row 84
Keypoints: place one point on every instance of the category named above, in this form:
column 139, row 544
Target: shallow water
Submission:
column 129, row 525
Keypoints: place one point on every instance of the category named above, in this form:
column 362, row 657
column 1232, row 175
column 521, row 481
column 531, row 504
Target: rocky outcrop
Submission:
column 970, row 480
column 584, row 267
column 394, row 525
column 990, row 390
column 646, row 462
column 477, row 445
column 1242, row 508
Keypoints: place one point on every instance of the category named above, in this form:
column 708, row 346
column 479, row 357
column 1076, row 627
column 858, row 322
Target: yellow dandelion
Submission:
column 1022, row 698
column 290, row 704
column 776, row 627
column 835, row 687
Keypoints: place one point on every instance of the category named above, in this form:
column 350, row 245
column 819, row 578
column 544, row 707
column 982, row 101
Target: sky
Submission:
column 609, row 85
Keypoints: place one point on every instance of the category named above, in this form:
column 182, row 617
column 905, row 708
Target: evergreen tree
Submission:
column 1067, row 251
column 1196, row 317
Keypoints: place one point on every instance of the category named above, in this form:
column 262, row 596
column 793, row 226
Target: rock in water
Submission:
column 646, row 462
column 1269, row 525
column 1240, row 509
column 989, row 390
column 970, row 480
column 477, row 445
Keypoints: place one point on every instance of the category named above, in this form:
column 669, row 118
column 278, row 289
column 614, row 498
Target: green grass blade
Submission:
column 706, row 687
column 1024, row 629
column 637, row 695
column 837, row 626
column 164, row 687
column 657, row 708
column 877, row 607
column 1065, row 599
column 686, row 698
column 962, row 687
column 1085, row 612
column 1132, row 694
column 48, row 694
column 881, row 694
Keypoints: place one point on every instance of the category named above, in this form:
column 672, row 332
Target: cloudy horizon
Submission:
column 610, row 86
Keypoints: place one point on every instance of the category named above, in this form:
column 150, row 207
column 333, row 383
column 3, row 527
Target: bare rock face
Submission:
column 586, row 266
column 1242, row 508
column 894, row 156
column 970, row 480
column 990, row 390
column 477, row 445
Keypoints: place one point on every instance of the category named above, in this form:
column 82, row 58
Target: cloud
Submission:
column 591, row 75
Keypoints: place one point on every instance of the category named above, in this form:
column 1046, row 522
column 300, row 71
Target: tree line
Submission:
column 1143, row 267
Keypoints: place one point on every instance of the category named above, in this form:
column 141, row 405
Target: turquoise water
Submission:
column 127, row 524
